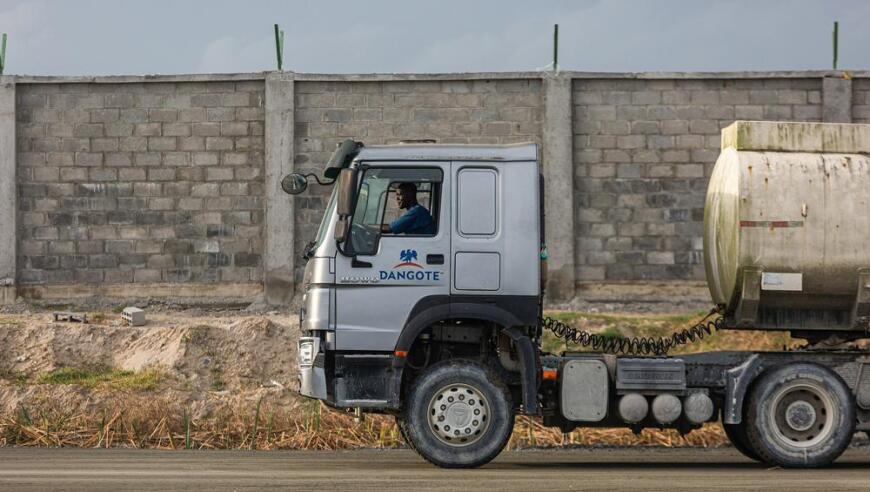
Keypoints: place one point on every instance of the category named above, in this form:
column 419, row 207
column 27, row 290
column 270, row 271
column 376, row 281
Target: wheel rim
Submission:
column 803, row 415
column 458, row 414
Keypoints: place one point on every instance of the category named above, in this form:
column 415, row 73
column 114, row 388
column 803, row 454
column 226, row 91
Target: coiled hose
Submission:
column 635, row 345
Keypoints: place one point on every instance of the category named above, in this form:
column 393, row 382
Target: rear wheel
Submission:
column 458, row 414
column 737, row 435
column 800, row 415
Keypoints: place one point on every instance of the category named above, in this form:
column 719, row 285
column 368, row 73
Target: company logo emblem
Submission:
column 408, row 258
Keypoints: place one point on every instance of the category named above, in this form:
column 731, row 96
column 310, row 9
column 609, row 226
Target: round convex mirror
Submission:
column 294, row 184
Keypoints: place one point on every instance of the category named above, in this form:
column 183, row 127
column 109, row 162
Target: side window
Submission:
column 395, row 202
column 477, row 202
column 424, row 198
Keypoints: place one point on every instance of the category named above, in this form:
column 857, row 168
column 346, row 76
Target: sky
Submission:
column 101, row 37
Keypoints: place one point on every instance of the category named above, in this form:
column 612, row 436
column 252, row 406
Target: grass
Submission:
column 17, row 378
column 164, row 422
column 104, row 376
column 217, row 382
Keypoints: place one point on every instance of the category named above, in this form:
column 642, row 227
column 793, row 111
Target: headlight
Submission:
column 306, row 352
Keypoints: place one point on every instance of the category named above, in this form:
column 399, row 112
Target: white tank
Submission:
column 787, row 226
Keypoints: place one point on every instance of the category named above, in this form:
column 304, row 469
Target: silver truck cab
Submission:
column 371, row 291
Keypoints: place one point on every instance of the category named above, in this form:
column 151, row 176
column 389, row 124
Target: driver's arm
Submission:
column 400, row 225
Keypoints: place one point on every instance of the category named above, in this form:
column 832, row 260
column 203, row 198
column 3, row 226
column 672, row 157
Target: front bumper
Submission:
column 312, row 375
column 353, row 380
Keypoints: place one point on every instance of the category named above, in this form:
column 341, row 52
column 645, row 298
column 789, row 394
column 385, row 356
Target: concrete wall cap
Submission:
column 847, row 138
column 512, row 152
column 391, row 77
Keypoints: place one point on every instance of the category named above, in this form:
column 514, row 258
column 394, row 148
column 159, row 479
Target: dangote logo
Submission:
column 408, row 258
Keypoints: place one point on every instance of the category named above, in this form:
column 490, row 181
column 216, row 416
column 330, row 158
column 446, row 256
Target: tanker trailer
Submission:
column 786, row 229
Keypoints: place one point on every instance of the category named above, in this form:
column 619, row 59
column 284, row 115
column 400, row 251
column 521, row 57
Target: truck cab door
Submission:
column 384, row 273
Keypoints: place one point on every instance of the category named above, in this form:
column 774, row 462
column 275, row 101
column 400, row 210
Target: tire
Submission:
column 480, row 411
column 800, row 416
column 402, row 425
column 737, row 435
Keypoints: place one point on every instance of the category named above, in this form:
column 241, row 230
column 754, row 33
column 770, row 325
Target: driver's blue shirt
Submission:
column 415, row 221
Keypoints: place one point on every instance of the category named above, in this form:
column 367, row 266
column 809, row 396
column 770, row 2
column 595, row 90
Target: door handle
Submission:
column 435, row 259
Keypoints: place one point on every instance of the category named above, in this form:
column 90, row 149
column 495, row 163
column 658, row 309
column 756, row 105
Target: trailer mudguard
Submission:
column 738, row 380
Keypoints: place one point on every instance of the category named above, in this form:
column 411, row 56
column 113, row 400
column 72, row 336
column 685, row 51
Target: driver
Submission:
column 416, row 220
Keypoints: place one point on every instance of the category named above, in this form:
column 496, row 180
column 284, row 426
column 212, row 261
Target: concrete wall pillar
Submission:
column 278, row 255
column 558, row 165
column 8, row 199
column 837, row 99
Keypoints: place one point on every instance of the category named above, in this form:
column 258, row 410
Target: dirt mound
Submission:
column 250, row 352
column 197, row 353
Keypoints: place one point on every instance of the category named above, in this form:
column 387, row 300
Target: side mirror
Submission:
column 294, row 184
column 346, row 192
column 341, row 227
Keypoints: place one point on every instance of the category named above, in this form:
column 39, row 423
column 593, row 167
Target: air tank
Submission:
column 787, row 227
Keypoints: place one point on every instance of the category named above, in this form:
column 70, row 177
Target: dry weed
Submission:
column 142, row 421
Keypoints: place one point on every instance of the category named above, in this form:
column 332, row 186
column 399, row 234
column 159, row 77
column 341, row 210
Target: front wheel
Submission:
column 458, row 414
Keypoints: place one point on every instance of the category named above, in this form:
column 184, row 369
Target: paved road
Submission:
column 580, row 469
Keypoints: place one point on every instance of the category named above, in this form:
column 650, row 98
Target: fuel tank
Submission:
column 787, row 226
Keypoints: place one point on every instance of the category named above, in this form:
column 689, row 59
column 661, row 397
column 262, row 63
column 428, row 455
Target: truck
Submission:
column 440, row 324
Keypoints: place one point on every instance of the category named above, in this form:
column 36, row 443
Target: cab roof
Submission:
column 449, row 152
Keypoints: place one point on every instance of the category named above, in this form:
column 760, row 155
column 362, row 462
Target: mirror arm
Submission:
column 321, row 183
column 342, row 250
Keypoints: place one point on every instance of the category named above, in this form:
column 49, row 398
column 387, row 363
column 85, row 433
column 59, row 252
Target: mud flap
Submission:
column 529, row 366
column 365, row 381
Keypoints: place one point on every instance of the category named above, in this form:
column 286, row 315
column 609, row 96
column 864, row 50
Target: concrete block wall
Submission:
column 643, row 152
column 861, row 101
column 169, row 185
column 483, row 111
column 140, row 183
